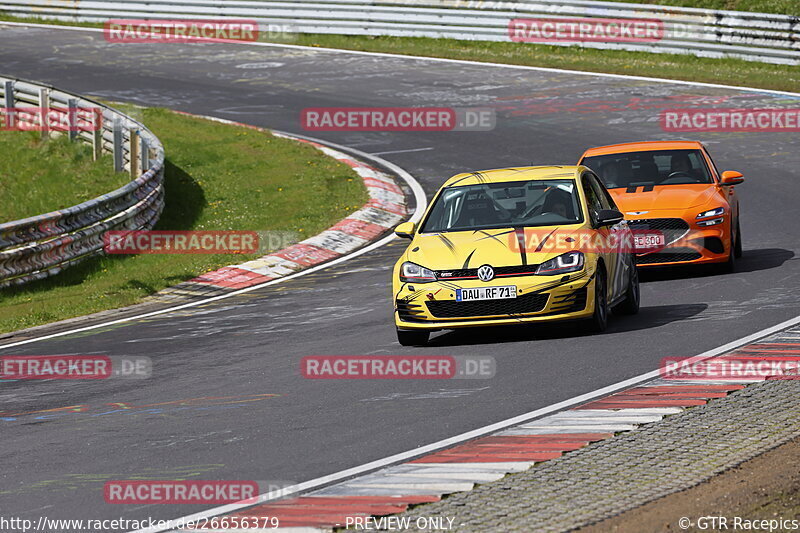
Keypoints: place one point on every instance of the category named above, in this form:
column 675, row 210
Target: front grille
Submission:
column 528, row 303
column 672, row 228
column 670, row 255
column 472, row 273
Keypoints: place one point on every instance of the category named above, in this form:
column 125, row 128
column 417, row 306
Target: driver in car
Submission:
column 556, row 202
column 681, row 166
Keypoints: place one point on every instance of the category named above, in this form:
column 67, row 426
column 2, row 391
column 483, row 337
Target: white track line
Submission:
column 403, row 151
column 456, row 61
column 419, row 199
column 491, row 428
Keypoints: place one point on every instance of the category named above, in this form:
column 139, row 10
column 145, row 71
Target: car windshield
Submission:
column 657, row 167
column 503, row 205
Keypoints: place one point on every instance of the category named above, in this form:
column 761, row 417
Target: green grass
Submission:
column 38, row 176
column 670, row 66
column 785, row 7
column 218, row 177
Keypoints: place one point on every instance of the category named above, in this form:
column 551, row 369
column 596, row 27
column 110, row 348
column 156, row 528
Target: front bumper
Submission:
column 699, row 246
column 432, row 306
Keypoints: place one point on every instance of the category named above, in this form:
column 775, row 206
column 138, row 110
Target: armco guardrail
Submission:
column 752, row 36
column 44, row 245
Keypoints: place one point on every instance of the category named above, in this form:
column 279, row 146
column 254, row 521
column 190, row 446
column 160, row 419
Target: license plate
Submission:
column 648, row 241
column 486, row 293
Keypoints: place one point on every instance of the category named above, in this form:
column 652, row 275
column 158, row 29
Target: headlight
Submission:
column 564, row 263
column 712, row 213
column 413, row 273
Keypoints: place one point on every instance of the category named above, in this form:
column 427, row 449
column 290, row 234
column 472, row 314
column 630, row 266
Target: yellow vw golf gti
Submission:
column 513, row 246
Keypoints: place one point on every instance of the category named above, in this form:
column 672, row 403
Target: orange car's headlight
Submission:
column 716, row 212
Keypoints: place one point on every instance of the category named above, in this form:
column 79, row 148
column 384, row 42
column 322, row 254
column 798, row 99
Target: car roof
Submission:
column 643, row 146
column 500, row 175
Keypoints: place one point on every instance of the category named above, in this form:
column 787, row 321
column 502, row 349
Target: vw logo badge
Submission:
column 485, row 273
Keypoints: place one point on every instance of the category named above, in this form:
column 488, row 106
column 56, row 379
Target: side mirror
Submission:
column 731, row 177
column 609, row 217
column 405, row 230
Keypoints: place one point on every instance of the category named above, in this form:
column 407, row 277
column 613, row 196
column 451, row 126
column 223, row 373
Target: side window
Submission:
column 602, row 194
column 592, row 200
column 711, row 164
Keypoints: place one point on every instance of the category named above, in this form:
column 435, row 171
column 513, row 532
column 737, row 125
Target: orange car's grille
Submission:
column 669, row 255
column 672, row 228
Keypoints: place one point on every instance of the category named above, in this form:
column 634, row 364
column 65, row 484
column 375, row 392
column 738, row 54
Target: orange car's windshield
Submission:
column 651, row 168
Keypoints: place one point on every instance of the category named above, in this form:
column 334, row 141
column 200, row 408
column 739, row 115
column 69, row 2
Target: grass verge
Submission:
column 667, row 66
column 32, row 169
column 218, row 177
column 783, row 7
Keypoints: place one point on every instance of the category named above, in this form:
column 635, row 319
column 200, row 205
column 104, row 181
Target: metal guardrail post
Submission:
column 9, row 102
column 44, row 108
column 72, row 123
column 133, row 153
column 97, row 143
column 119, row 160
column 145, row 159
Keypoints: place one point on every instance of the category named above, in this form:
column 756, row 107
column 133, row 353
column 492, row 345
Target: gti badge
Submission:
column 485, row 273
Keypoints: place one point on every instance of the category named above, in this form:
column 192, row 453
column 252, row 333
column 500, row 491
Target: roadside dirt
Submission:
column 766, row 487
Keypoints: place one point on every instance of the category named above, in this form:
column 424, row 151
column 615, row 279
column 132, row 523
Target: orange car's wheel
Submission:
column 730, row 265
column 737, row 250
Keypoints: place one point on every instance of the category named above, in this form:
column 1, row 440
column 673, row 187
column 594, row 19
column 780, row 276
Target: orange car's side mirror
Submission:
column 731, row 177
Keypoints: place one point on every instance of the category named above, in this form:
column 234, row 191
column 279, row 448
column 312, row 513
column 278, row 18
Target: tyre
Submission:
column 737, row 249
column 729, row 266
column 412, row 338
column 599, row 321
column 630, row 305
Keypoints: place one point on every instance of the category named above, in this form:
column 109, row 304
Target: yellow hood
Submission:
column 471, row 249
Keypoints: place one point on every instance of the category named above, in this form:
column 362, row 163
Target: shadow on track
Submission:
column 751, row 261
column 648, row 317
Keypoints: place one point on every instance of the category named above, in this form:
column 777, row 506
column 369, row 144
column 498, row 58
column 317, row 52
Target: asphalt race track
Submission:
column 275, row 425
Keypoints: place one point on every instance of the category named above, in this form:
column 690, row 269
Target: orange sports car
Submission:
column 681, row 209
